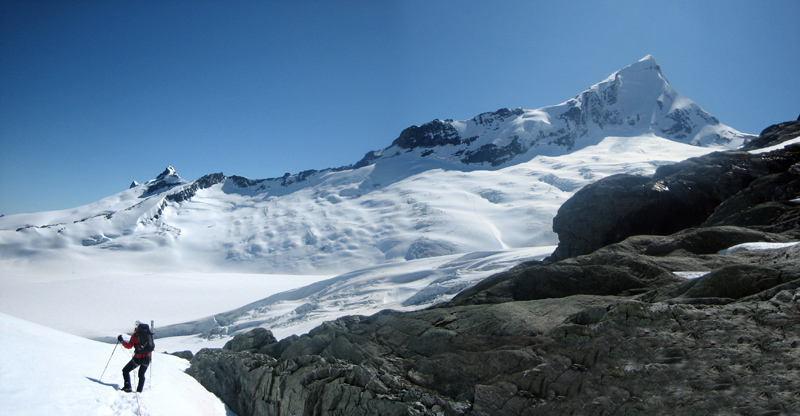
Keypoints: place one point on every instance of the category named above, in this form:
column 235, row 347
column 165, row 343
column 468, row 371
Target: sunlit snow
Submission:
column 407, row 229
column 223, row 262
column 49, row 372
column 757, row 246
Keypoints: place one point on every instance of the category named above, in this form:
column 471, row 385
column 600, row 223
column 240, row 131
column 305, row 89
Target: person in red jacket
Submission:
column 142, row 343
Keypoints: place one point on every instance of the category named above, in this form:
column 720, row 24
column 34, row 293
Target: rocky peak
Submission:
column 169, row 171
column 166, row 180
column 431, row 134
column 635, row 100
column 497, row 116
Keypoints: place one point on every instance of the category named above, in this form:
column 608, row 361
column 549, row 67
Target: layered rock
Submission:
column 757, row 190
column 775, row 134
column 727, row 340
column 615, row 330
column 166, row 180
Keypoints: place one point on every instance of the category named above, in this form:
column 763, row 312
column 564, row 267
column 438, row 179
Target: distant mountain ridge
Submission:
column 380, row 208
column 633, row 101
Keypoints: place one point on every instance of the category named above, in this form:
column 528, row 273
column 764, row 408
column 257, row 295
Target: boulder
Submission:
column 252, row 341
column 775, row 134
column 605, row 274
column 734, row 282
column 186, row 355
column 677, row 197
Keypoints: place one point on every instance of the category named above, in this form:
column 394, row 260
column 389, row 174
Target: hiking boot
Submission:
column 127, row 389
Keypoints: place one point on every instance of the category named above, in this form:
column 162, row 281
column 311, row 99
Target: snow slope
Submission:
column 49, row 372
column 403, row 286
column 466, row 226
column 442, row 188
column 221, row 250
column 342, row 223
column 407, row 227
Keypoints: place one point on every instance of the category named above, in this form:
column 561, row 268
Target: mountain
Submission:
column 445, row 187
column 685, row 323
column 701, row 318
column 633, row 101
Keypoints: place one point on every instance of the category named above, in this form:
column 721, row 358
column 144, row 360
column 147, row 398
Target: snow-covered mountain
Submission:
column 445, row 187
column 445, row 205
column 633, row 101
column 187, row 259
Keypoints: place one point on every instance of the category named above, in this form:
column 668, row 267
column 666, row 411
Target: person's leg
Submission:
column 142, row 371
column 126, row 374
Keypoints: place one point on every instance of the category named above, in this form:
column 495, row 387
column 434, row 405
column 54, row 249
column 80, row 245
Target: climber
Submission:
column 142, row 343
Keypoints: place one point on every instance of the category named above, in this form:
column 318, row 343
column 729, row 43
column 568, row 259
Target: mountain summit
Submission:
column 166, row 180
column 633, row 101
column 493, row 182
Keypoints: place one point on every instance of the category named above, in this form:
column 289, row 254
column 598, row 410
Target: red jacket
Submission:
column 132, row 344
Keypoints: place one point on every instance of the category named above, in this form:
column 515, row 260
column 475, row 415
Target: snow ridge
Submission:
column 493, row 182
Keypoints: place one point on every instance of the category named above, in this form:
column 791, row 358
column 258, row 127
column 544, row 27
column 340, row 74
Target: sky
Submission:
column 97, row 94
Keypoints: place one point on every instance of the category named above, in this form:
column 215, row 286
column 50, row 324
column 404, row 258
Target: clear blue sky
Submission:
column 96, row 94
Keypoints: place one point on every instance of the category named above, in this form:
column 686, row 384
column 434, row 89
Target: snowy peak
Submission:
column 633, row 101
column 432, row 134
column 648, row 64
column 168, row 172
column 438, row 189
column 166, row 180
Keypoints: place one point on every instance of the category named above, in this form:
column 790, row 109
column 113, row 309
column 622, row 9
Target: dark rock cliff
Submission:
column 611, row 330
column 686, row 194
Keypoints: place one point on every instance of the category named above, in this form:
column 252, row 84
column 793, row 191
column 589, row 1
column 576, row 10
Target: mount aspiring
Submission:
column 493, row 182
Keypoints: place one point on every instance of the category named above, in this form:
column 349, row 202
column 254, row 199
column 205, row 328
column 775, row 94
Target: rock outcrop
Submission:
column 775, row 134
column 719, row 188
column 610, row 326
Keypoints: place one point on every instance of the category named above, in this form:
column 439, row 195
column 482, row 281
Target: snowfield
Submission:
column 209, row 261
column 49, row 372
column 94, row 278
column 409, row 228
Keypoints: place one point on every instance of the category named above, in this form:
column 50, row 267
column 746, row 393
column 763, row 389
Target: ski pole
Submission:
column 109, row 361
column 153, row 331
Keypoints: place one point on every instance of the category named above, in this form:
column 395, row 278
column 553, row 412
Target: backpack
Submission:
column 146, row 344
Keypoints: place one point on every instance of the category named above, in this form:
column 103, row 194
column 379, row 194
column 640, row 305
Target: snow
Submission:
column 339, row 222
column 287, row 254
column 399, row 286
column 222, row 250
column 44, row 372
column 95, row 301
column 385, row 236
column 777, row 146
column 691, row 275
column 757, row 247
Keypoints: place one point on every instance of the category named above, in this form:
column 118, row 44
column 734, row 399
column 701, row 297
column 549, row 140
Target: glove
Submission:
column 119, row 338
